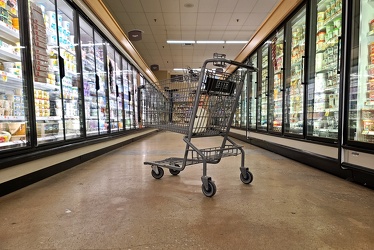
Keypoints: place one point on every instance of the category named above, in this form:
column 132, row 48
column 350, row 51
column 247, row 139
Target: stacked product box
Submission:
column 40, row 55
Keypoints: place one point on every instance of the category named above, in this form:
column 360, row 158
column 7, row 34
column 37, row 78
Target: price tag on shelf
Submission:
column 4, row 76
column 327, row 113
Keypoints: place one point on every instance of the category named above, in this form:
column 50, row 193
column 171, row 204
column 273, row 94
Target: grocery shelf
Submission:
column 8, row 33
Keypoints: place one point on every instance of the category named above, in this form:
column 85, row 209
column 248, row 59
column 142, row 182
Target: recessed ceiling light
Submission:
column 210, row 41
column 179, row 41
column 236, row 41
column 188, row 5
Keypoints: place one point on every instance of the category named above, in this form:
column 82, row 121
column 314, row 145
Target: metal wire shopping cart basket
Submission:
column 198, row 105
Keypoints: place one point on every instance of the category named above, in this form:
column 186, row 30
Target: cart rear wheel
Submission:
column 160, row 173
column 248, row 178
column 174, row 171
column 211, row 189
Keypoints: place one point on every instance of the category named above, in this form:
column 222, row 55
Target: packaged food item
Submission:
column 371, row 25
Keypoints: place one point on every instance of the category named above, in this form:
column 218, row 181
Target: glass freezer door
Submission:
column 262, row 120
column 361, row 87
column 47, row 71
column 113, row 68
column 276, row 83
column 323, row 85
column 126, row 94
column 252, row 95
column 14, row 120
column 69, row 75
column 90, row 78
column 295, row 56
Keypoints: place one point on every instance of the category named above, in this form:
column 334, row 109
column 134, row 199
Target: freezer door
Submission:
column 46, row 26
column 126, row 94
column 276, row 82
column 14, row 110
column 360, row 113
column 90, row 77
column 70, row 80
column 324, row 80
column 294, row 74
column 263, row 87
column 252, row 95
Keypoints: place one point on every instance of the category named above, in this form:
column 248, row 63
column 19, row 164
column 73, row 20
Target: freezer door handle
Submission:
column 61, row 63
column 338, row 57
column 302, row 77
column 97, row 82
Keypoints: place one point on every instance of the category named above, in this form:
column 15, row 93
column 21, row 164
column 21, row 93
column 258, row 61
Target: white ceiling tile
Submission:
column 170, row 6
column 155, row 18
column 221, row 19
column 138, row 18
column 205, row 19
column 188, row 19
column 131, row 5
column 208, row 6
column 256, row 18
column 226, row 6
column 245, row 6
column 264, row 6
column 238, row 19
column 172, row 18
column 151, row 5
column 229, row 35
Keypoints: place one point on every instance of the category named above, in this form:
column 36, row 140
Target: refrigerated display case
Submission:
column 126, row 94
column 276, row 83
column 114, row 66
column 119, row 90
column 324, row 81
column 294, row 74
column 361, row 87
column 134, row 94
column 243, row 106
column 263, row 89
column 94, row 79
column 70, row 72
column 252, row 93
column 57, row 93
column 14, row 115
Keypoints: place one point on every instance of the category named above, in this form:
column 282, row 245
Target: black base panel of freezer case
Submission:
column 31, row 178
column 326, row 164
column 361, row 175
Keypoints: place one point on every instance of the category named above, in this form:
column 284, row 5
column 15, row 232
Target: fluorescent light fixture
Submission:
column 236, row 41
column 178, row 69
column 210, row 41
column 182, row 41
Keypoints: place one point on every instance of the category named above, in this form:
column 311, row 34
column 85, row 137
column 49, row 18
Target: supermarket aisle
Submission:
column 113, row 202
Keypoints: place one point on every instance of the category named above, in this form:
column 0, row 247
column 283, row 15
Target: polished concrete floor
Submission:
column 113, row 202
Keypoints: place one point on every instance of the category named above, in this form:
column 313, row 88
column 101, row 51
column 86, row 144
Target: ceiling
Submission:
column 192, row 20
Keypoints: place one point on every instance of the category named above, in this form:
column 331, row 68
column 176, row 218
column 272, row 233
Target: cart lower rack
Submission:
column 198, row 105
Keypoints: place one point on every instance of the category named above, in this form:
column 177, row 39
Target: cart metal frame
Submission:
column 207, row 108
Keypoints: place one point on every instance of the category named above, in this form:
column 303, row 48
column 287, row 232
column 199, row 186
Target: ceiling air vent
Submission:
column 135, row 35
column 187, row 44
column 154, row 67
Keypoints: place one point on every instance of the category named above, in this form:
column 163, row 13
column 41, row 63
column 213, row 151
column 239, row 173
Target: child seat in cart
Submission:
column 198, row 104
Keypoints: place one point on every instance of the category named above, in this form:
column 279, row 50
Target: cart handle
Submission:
column 239, row 64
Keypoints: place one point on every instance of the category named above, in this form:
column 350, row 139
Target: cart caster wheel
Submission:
column 248, row 178
column 211, row 189
column 160, row 173
column 174, row 172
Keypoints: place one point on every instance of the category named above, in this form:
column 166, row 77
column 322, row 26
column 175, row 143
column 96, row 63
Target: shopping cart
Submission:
column 198, row 105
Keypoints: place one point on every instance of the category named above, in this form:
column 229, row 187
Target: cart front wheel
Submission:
column 160, row 173
column 248, row 178
column 174, row 171
column 211, row 189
